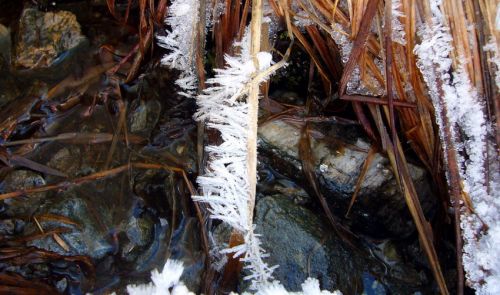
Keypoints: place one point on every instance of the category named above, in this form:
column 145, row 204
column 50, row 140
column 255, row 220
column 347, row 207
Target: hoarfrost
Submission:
column 182, row 18
column 165, row 283
column 495, row 58
column 168, row 282
column 466, row 115
column 398, row 31
column 225, row 184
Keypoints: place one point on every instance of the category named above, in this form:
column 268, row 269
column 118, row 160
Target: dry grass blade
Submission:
column 94, row 177
column 306, row 158
column 361, row 177
column 365, row 122
column 253, row 106
column 90, row 76
column 376, row 100
column 122, row 125
column 57, row 238
column 15, row 284
column 57, row 218
column 359, row 44
column 388, row 68
column 232, row 270
column 400, row 168
column 38, row 236
column 75, row 138
column 32, row 255
column 15, row 160
column 161, row 11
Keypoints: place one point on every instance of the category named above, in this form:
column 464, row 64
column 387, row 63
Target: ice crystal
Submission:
column 495, row 58
column 398, row 31
column 182, row 18
column 225, row 184
column 165, row 283
column 168, row 282
column 355, row 85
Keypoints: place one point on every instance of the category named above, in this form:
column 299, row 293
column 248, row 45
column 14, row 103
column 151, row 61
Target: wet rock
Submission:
column 67, row 159
column 9, row 227
column 20, row 180
column 139, row 230
column 303, row 245
column 47, row 43
column 8, row 87
column 4, row 47
column 139, row 233
column 339, row 153
column 144, row 116
column 271, row 183
column 89, row 237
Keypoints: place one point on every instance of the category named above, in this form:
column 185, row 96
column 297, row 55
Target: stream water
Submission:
column 71, row 124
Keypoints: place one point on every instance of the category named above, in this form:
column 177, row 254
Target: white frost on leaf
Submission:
column 355, row 85
column 495, row 57
column 183, row 16
column 225, row 185
column 451, row 91
column 398, row 30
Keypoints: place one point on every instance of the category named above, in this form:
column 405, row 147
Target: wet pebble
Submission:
column 144, row 116
column 21, row 180
column 67, row 160
column 88, row 238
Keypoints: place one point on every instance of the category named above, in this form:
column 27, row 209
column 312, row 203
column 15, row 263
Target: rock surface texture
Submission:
column 47, row 43
column 339, row 152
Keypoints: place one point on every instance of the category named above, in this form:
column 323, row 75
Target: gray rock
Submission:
column 9, row 227
column 339, row 152
column 139, row 230
column 303, row 246
column 67, row 159
column 20, row 180
column 89, row 238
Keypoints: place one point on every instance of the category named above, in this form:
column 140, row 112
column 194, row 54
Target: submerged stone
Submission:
column 144, row 116
column 304, row 245
column 22, row 180
column 47, row 42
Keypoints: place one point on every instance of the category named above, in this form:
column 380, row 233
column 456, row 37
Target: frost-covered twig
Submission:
column 226, row 185
column 183, row 18
column 463, row 128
